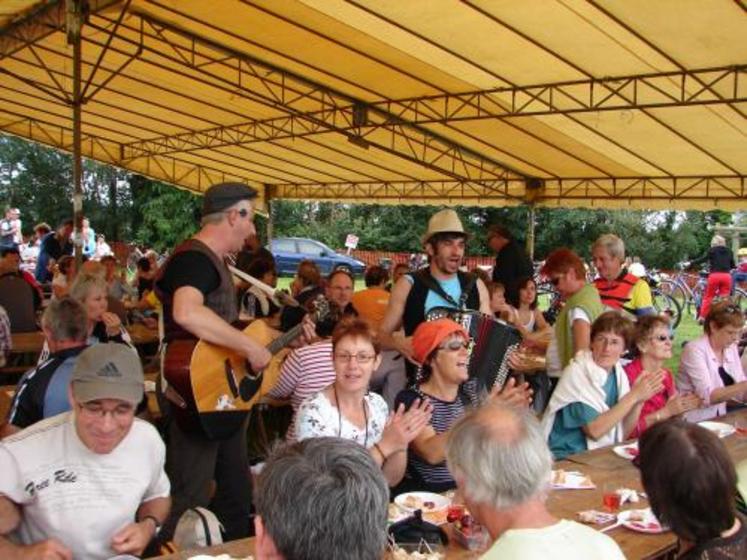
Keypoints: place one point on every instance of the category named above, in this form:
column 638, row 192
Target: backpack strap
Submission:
column 205, row 526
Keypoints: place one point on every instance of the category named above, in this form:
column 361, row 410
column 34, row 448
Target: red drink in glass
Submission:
column 611, row 501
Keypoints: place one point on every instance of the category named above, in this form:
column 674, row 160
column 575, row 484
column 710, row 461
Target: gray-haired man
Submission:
column 318, row 499
column 502, row 465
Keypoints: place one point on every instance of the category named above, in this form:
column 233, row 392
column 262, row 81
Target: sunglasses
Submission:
column 663, row 337
column 454, row 345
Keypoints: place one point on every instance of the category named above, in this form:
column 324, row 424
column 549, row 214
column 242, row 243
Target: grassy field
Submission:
column 688, row 329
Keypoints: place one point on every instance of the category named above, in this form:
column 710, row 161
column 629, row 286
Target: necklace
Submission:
column 339, row 417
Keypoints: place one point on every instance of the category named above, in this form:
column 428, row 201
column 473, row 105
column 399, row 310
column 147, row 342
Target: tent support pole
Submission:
column 530, row 232
column 75, row 21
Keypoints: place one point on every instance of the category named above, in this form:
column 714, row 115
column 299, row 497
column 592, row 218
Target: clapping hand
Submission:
column 683, row 402
column 648, row 384
column 404, row 426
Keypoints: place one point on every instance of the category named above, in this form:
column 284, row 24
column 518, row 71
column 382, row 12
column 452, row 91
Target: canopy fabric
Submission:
column 599, row 103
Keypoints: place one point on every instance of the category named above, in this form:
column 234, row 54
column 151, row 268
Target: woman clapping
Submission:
column 348, row 410
column 652, row 344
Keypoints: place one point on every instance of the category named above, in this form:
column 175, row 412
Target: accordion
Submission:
column 491, row 342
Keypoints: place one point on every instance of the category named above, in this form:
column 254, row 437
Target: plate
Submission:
column 629, row 451
column 640, row 520
column 428, row 502
column 719, row 428
column 571, row 480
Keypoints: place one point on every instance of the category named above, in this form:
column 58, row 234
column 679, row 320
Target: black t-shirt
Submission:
column 511, row 264
column 36, row 392
column 190, row 268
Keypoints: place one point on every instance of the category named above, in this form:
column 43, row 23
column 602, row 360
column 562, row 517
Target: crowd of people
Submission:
column 381, row 393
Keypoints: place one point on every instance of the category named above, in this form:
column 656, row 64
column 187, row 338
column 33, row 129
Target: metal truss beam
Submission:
column 40, row 23
column 168, row 169
column 637, row 191
column 308, row 106
column 360, row 120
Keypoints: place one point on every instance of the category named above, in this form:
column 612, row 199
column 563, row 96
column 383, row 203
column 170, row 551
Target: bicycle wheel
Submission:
column 667, row 305
column 675, row 290
column 740, row 298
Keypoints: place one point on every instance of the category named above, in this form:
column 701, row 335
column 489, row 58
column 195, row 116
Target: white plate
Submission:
column 629, row 451
column 719, row 428
column 649, row 523
column 410, row 501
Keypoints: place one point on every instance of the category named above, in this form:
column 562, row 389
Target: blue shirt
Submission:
column 450, row 286
column 567, row 436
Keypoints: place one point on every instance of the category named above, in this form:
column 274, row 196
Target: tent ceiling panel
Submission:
column 634, row 103
column 692, row 33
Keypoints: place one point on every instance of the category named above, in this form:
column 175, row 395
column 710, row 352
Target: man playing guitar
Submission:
column 199, row 301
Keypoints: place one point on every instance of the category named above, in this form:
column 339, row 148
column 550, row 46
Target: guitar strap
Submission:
column 424, row 275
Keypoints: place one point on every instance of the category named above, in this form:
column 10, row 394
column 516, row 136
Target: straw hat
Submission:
column 444, row 221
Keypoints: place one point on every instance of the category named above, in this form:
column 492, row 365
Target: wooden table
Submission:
column 27, row 343
column 604, row 467
column 6, row 396
column 140, row 334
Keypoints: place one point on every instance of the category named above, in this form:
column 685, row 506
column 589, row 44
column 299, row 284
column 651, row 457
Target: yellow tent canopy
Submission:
column 600, row 103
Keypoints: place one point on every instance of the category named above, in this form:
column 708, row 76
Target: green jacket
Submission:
column 587, row 298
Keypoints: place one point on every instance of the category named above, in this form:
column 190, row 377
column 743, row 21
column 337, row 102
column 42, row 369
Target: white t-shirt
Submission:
column 552, row 356
column 317, row 417
column 80, row 497
column 566, row 540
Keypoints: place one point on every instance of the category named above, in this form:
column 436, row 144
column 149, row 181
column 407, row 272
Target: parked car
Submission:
column 289, row 251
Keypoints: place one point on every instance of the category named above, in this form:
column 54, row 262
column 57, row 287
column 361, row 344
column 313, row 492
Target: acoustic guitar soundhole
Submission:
column 249, row 387
column 230, row 379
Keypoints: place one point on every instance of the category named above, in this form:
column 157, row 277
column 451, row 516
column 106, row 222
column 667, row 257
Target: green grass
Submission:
column 688, row 329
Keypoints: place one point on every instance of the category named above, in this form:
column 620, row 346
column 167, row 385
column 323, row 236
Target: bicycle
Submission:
column 686, row 289
column 664, row 303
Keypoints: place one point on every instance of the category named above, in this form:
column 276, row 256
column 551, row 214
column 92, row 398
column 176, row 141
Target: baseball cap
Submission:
column 107, row 371
column 224, row 195
column 430, row 334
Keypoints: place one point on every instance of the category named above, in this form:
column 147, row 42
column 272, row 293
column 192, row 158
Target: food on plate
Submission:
column 637, row 515
column 570, row 479
column 558, row 477
column 413, row 502
column 595, row 517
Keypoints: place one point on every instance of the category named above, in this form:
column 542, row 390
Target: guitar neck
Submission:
column 284, row 339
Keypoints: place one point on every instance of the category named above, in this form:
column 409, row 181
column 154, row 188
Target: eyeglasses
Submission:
column 119, row 412
column 663, row 337
column 360, row 357
column 454, row 345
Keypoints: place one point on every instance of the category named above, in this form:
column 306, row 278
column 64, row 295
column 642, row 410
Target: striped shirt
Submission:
column 437, row 477
column 305, row 372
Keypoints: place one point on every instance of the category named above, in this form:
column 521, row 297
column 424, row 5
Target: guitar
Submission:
column 218, row 386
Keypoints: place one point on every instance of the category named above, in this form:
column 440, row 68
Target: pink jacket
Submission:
column 699, row 374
